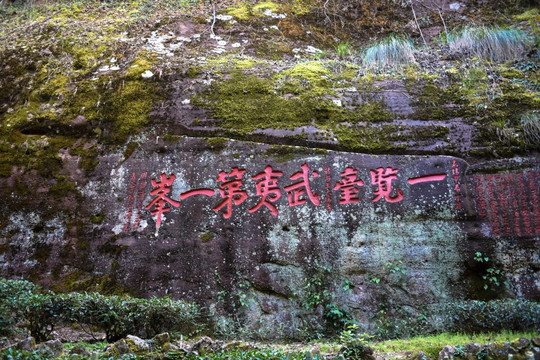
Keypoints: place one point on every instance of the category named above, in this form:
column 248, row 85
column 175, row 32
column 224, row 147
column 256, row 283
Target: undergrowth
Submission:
column 22, row 302
column 432, row 345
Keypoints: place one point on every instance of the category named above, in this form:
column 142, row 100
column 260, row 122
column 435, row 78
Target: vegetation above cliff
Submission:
column 107, row 71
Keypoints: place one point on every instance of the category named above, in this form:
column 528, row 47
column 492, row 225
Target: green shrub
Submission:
column 21, row 301
column 469, row 316
column 494, row 43
column 483, row 316
column 119, row 316
column 11, row 294
column 389, row 52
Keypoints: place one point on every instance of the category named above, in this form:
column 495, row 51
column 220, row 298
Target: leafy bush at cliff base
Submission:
column 468, row 316
column 483, row 316
column 117, row 316
column 12, row 295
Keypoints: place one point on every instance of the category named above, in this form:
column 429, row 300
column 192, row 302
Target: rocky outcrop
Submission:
column 267, row 230
column 259, row 178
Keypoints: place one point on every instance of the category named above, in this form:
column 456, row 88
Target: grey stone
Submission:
column 137, row 345
column 447, row 353
column 28, row 344
column 206, row 345
column 54, row 347
column 119, row 348
column 473, row 348
column 521, row 343
column 80, row 350
column 498, row 350
column 161, row 339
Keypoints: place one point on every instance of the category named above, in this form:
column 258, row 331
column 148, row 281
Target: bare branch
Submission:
column 444, row 23
column 213, row 17
column 417, row 24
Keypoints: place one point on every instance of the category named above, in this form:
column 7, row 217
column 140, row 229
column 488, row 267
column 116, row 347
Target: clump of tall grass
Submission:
column 530, row 123
column 343, row 49
column 493, row 42
column 390, row 52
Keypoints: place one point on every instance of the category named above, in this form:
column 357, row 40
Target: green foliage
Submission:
column 259, row 354
column 317, row 295
column 482, row 316
column 12, row 292
column 530, row 123
column 355, row 346
column 431, row 345
column 116, row 316
column 478, row 257
column 469, row 316
column 494, row 43
column 492, row 276
column 343, row 49
column 11, row 354
column 390, row 52
column 395, row 321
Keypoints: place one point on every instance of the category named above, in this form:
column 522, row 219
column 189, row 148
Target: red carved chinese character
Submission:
column 162, row 188
column 230, row 190
column 294, row 191
column 348, row 186
column 205, row 192
column 268, row 189
column 426, row 178
column 383, row 178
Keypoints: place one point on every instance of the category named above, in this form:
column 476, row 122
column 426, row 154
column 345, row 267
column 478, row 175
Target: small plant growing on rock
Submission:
column 355, row 346
column 343, row 49
column 492, row 276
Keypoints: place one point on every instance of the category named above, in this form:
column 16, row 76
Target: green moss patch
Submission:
column 243, row 10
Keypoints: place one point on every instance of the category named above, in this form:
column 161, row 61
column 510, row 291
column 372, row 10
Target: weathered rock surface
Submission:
column 52, row 348
column 108, row 182
column 339, row 217
column 80, row 350
column 28, row 344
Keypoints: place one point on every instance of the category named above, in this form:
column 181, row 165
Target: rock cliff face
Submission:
column 291, row 192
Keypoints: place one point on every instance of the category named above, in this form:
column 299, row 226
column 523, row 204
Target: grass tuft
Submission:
column 390, row 52
column 530, row 123
column 494, row 42
column 343, row 49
